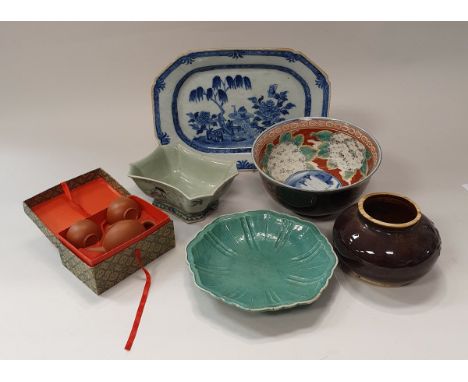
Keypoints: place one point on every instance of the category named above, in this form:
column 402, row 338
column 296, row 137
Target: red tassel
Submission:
column 141, row 307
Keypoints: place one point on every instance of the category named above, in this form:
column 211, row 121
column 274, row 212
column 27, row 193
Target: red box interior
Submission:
column 90, row 201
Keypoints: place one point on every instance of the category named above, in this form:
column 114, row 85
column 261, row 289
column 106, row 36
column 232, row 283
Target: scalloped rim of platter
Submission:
column 376, row 167
column 234, row 49
column 198, row 235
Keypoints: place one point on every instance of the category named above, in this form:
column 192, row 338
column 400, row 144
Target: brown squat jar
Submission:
column 122, row 208
column 386, row 240
column 83, row 233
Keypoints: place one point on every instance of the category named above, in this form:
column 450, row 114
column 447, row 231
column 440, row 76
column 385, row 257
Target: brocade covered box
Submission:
column 87, row 196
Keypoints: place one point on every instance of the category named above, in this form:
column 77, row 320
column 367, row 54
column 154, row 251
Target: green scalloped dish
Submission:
column 261, row 260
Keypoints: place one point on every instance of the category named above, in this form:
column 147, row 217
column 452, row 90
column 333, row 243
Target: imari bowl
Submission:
column 261, row 260
column 316, row 166
column 182, row 181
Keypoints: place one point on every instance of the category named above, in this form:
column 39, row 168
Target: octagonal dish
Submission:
column 218, row 101
column 261, row 260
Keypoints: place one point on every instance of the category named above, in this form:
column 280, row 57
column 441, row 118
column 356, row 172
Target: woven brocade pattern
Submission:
column 113, row 270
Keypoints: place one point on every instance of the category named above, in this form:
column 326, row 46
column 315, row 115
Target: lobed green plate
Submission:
column 261, row 260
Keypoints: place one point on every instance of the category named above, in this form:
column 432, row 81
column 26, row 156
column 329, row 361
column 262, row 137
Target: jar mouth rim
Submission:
column 401, row 198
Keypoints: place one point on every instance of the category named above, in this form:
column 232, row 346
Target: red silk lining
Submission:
column 68, row 195
column 141, row 307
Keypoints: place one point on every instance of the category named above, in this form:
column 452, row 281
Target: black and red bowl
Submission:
column 316, row 166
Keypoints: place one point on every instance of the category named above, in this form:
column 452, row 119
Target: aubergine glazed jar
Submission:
column 384, row 239
column 316, row 166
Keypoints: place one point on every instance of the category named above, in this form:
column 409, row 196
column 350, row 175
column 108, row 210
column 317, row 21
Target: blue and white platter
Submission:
column 218, row 101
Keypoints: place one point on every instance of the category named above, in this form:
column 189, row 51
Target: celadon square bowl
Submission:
column 261, row 260
column 183, row 181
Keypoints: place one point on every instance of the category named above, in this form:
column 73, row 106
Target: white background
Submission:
column 74, row 97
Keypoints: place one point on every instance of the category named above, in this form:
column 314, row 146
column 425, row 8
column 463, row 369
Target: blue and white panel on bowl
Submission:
column 315, row 180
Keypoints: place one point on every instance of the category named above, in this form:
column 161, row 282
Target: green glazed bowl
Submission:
column 183, row 181
column 261, row 260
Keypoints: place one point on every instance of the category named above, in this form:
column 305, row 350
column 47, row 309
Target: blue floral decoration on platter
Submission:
column 218, row 101
column 244, row 123
column 291, row 56
column 160, row 85
column 235, row 54
column 245, row 165
column 188, row 59
column 164, row 138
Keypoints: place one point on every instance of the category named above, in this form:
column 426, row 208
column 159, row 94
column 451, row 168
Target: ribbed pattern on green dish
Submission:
column 261, row 260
